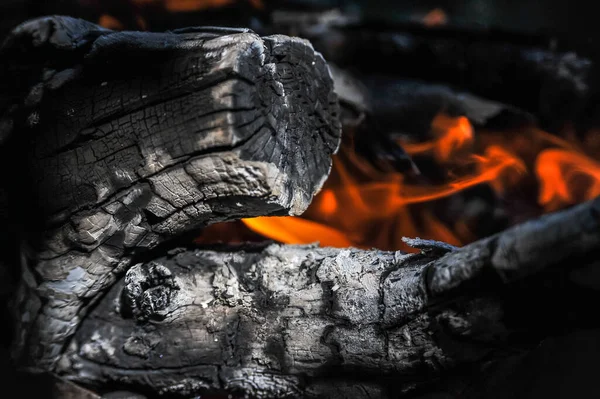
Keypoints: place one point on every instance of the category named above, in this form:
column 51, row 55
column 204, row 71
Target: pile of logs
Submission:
column 129, row 142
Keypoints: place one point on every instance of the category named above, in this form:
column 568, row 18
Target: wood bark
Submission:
column 130, row 139
column 303, row 321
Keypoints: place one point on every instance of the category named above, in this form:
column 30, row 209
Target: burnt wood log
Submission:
column 303, row 321
column 409, row 106
column 130, row 139
column 526, row 71
column 377, row 108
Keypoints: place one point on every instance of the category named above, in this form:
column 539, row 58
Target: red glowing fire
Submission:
column 372, row 209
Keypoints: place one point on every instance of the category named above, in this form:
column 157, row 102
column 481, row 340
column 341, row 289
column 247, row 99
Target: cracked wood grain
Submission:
column 133, row 138
column 302, row 321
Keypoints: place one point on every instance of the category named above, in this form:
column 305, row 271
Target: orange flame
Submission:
column 361, row 207
column 565, row 174
column 298, row 231
column 453, row 135
column 566, row 178
column 350, row 212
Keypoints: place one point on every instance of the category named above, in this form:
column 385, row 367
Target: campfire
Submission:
column 364, row 207
column 261, row 198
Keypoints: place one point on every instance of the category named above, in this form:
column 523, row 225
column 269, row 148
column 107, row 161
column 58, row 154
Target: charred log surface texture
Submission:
column 302, row 321
column 132, row 138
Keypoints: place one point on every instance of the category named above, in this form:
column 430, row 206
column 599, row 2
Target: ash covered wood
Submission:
column 303, row 321
column 132, row 138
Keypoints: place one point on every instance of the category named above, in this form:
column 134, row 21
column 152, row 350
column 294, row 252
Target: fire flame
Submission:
column 364, row 208
column 453, row 135
column 566, row 178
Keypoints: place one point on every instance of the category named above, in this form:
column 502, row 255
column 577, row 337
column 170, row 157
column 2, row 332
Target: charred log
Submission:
column 409, row 106
column 377, row 109
column 521, row 70
column 130, row 139
column 302, row 321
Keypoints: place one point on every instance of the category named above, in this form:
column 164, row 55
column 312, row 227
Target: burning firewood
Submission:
column 379, row 108
column 132, row 138
column 302, row 321
column 131, row 141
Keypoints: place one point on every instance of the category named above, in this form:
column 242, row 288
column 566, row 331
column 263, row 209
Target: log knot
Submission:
column 149, row 290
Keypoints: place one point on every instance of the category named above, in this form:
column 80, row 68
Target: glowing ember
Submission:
column 435, row 17
column 298, row 231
